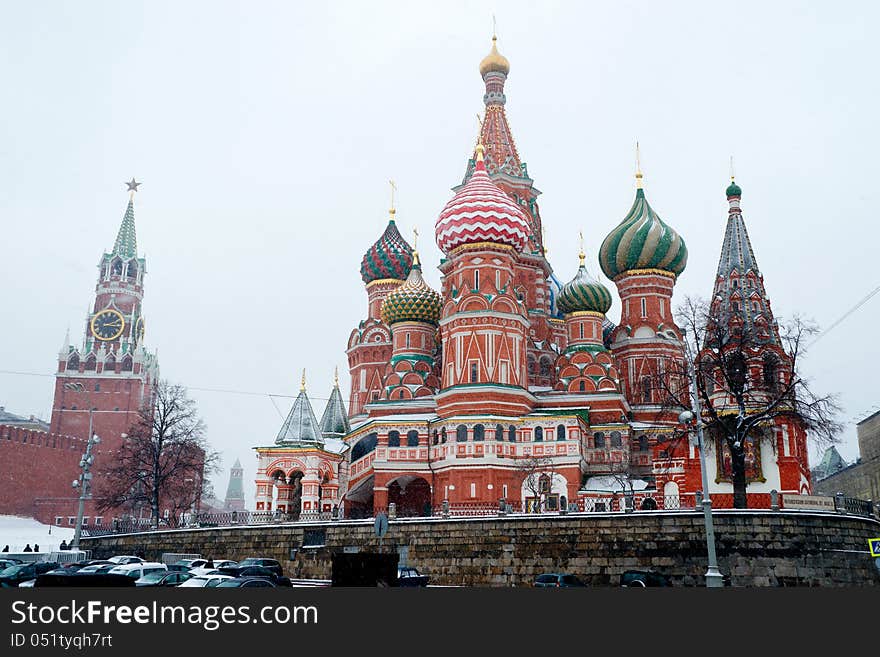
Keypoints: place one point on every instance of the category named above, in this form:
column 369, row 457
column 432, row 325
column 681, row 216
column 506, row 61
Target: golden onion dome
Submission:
column 494, row 62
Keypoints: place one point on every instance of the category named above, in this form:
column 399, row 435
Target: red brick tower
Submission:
column 532, row 273
column 111, row 374
column 484, row 324
column 384, row 267
column 644, row 256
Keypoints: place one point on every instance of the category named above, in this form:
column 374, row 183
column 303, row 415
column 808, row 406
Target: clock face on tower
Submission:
column 108, row 324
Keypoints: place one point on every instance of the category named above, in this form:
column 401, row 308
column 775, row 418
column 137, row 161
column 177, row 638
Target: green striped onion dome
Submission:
column 412, row 301
column 642, row 241
column 390, row 257
column 582, row 293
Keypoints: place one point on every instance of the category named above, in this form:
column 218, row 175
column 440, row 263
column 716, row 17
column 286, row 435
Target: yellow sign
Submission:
column 874, row 546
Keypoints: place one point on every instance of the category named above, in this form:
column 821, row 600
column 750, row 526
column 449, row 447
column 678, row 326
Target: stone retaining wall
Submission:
column 756, row 548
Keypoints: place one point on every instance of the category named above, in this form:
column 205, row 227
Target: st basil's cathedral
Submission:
column 460, row 396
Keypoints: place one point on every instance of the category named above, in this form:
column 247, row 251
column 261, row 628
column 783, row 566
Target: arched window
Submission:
column 116, row 267
column 511, row 434
column 73, row 362
column 435, row 438
column 646, row 389
column 126, row 364
column 581, row 386
column 643, row 443
column 443, row 435
column 545, row 366
column 560, row 432
column 615, row 439
column 132, row 269
column 474, row 378
column 539, row 434
column 598, row 439
column 770, row 378
column 90, row 363
column 533, row 366
column 736, row 372
column 479, row 432
column 412, row 438
column 461, row 434
column 544, row 484
column 499, row 433
column 394, row 439
column 364, row 446
column 110, row 364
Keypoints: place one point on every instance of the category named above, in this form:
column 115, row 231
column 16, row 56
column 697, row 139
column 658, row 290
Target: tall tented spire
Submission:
column 334, row 421
column 301, row 425
column 126, row 240
column 739, row 285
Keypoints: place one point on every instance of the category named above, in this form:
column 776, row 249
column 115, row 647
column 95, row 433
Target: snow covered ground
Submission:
column 17, row 532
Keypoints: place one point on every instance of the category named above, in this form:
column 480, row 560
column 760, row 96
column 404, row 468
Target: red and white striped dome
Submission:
column 481, row 212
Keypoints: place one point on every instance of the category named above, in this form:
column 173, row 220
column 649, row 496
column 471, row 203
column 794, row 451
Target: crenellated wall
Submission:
column 756, row 548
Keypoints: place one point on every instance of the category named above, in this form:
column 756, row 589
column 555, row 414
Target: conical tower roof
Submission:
column 739, row 286
column 301, row 426
column 334, row 421
column 126, row 239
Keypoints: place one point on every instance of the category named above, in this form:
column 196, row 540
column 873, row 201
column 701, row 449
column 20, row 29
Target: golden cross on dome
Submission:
column 638, row 167
column 415, row 238
column 302, row 385
column 393, row 190
column 336, row 376
column 581, row 254
column 731, row 168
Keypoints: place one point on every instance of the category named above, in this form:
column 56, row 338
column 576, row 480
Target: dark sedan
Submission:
column 245, row 583
column 22, row 572
column 255, row 571
column 410, row 577
column 173, row 578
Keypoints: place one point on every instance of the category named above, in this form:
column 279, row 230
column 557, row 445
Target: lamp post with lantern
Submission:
column 693, row 420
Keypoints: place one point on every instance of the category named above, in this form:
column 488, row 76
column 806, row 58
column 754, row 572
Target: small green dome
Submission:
column 583, row 293
column 733, row 189
column 642, row 241
column 412, row 301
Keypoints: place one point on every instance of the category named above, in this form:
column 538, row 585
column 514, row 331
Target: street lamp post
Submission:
column 84, row 482
column 713, row 575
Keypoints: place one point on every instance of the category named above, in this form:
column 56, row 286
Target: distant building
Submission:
column 235, row 490
column 12, row 420
column 860, row 479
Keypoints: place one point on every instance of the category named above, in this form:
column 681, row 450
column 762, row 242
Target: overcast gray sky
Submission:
column 265, row 134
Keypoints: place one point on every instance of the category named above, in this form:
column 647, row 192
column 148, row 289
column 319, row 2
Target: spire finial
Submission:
column 392, row 211
column 132, row 187
column 581, row 254
column 336, row 376
column 416, row 247
column 638, row 167
column 732, row 176
column 494, row 29
column 302, row 385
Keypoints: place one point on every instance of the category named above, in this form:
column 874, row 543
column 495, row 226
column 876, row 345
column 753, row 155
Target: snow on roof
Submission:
column 335, row 445
column 610, row 483
column 404, row 417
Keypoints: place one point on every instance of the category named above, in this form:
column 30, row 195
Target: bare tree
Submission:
column 165, row 459
column 747, row 378
column 537, row 474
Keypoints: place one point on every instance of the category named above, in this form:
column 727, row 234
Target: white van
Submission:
column 138, row 570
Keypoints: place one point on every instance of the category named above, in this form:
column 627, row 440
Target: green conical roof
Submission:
column 301, row 426
column 126, row 239
column 334, row 422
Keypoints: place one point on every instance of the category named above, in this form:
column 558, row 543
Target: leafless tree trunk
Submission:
column 532, row 470
column 164, row 460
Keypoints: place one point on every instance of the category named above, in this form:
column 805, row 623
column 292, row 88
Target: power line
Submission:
column 200, row 389
column 844, row 316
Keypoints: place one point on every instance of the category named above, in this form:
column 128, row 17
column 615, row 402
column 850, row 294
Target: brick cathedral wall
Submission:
column 756, row 548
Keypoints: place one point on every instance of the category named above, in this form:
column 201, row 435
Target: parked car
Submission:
column 644, row 578
column 204, row 581
column 125, row 559
column 167, row 578
column 5, row 563
column 22, row 572
column 189, row 564
column 245, row 582
column 410, row 577
column 558, row 580
column 271, row 564
column 137, row 570
column 255, row 571
column 219, row 563
column 81, row 579
column 97, row 568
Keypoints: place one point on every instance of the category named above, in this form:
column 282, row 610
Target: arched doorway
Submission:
column 411, row 495
column 295, row 494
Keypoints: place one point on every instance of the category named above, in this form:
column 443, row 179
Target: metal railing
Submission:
column 597, row 502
